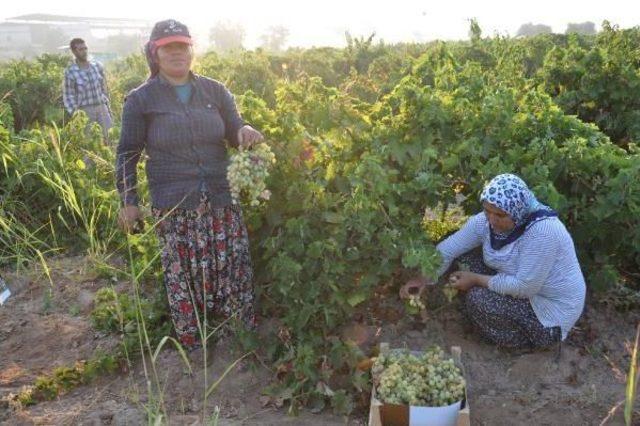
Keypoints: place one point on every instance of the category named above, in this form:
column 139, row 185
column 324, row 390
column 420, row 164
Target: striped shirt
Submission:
column 84, row 86
column 541, row 266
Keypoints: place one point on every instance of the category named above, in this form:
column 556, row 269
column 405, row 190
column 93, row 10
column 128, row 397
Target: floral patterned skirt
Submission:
column 207, row 267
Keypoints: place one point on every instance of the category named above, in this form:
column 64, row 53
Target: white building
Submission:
column 14, row 38
column 31, row 35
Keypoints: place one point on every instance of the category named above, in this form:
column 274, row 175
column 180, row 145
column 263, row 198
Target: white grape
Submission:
column 247, row 174
column 430, row 379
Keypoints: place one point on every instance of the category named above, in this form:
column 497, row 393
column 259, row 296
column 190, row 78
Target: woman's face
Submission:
column 174, row 59
column 499, row 220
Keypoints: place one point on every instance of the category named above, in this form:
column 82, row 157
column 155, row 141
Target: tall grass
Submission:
column 631, row 389
column 22, row 247
column 61, row 181
column 632, row 382
column 76, row 183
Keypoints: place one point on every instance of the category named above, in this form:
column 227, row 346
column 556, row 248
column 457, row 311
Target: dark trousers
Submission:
column 504, row 320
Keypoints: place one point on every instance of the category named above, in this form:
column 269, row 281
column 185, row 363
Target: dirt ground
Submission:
column 40, row 330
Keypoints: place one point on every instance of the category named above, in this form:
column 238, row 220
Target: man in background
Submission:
column 85, row 88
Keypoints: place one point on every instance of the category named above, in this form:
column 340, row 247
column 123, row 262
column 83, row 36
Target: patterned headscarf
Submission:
column 510, row 193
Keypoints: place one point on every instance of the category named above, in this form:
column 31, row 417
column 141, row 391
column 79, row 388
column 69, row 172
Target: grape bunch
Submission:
column 430, row 379
column 415, row 304
column 450, row 292
column 247, row 173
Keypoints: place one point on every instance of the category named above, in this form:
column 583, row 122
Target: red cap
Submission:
column 173, row 39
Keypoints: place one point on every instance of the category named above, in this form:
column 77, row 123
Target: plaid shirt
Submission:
column 84, row 86
column 184, row 143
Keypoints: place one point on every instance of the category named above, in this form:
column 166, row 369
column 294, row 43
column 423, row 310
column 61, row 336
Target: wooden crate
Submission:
column 464, row 417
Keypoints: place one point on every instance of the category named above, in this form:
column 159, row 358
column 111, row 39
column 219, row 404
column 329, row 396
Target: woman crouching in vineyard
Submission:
column 181, row 120
column 529, row 290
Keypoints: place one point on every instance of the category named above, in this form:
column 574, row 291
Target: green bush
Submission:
column 34, row 90
column 600, row 83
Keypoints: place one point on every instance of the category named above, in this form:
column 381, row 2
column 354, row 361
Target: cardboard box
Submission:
column 403, row 415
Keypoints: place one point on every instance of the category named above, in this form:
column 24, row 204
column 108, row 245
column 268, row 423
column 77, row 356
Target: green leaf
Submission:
column 355, row 299
column 304, row 315
column 332, row 217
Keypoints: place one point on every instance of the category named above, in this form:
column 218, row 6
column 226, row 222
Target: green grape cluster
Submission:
column 449, row 292
column 247, row 174
column 414, row 301
column 438, row 221
column 430, row 379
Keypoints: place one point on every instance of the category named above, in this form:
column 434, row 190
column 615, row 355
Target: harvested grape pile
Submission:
column 429, row 379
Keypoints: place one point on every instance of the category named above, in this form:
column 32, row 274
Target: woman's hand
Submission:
column 462, row 280
column 465, row 281
column 128, row 218
column 248, row 136
column 414, row 286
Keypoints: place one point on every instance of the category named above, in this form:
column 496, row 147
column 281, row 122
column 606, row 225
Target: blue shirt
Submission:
column 183, row 91
column 185, row 143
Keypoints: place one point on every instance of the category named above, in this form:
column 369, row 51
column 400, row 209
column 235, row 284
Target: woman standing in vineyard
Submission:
column 527, row 289
column 181, row 120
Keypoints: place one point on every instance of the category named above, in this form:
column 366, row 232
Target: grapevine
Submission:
column 247, row 174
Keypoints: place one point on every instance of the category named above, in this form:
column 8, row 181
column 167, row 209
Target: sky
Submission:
column 325, row 22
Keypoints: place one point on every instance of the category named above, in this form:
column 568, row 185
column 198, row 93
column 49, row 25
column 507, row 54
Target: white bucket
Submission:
column 435, row 416
column 4, row 292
